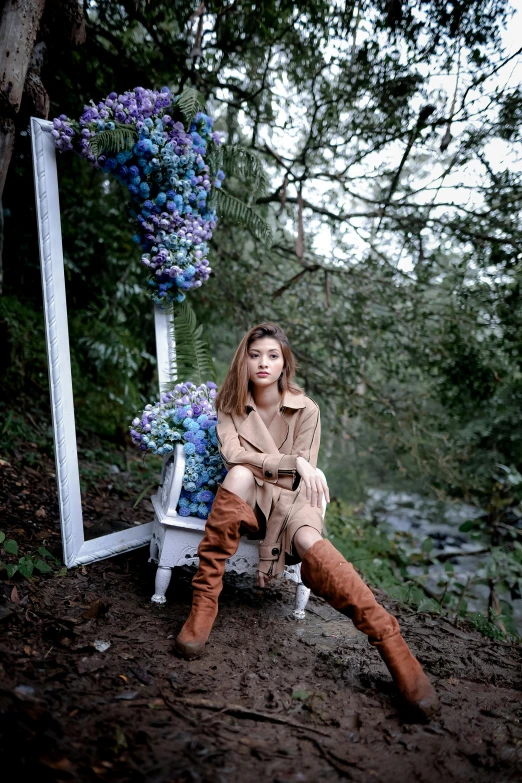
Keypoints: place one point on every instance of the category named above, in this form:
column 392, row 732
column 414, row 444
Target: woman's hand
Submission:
column 263, row 579
column 315, row 485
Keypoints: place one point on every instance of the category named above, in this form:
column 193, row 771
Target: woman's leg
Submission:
column 230, row 510
column 326, row 572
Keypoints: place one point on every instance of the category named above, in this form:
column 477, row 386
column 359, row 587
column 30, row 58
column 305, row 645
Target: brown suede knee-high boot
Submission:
column 220, row 542
column 325, row 571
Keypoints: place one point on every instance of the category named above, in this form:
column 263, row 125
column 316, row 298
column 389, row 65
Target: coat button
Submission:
column 268, row 473
column 275, row 551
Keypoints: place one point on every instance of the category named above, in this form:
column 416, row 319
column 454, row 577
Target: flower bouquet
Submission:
column 186, row 415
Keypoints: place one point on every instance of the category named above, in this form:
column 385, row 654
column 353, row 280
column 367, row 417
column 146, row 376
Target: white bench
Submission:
column 175, row 538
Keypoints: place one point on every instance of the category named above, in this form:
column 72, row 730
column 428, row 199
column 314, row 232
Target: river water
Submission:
column 424, row 517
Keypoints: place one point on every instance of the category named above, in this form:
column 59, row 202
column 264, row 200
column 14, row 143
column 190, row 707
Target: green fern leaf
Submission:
column 230, row 207
column 244, row 164
column 123, row 137
column 189, row 102
column 193, row 360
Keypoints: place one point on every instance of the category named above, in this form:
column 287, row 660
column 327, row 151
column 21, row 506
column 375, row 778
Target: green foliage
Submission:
column 110, row 142
column 246, row 165
column 41, row 559
column 145, row 492
column 485, row 627
column 235, row 210
column 193, row 359
column 190, row 102
column 11, row 546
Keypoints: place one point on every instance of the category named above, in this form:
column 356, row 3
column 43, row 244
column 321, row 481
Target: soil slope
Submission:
column 271, row 700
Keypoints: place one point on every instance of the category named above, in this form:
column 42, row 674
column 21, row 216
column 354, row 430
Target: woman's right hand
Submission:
column 315, row 485
column 263, row 579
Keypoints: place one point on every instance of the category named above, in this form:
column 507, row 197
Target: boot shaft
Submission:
column 329, row 575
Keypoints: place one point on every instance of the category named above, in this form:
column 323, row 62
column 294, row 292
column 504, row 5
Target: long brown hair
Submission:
column 233, row 394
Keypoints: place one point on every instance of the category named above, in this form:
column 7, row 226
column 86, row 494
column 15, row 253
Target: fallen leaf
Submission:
column 142, row 675
column 61, row 763
column 15, row 598
column 121, row 739
column 97, row 608
column 25, row 691
column 92, row 664
column 126, row 696
column 41, row 513
column 123, row 677
column 101, row 645
column 27, row 650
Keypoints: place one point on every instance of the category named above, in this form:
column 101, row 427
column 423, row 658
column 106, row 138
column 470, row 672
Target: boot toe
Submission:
column 189, row 650
column 425, row 708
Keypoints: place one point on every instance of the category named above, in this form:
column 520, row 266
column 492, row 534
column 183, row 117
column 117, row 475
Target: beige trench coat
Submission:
column 271, row 454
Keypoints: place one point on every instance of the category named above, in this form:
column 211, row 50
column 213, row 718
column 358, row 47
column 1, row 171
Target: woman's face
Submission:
column 265, row 362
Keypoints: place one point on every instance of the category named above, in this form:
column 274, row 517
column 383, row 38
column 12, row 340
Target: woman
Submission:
column 268, row 433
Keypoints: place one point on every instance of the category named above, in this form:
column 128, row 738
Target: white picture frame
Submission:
column 76, row 550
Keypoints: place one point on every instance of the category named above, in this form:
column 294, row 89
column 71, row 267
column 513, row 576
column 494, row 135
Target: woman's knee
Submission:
column 304, row 538
column 240, row 480
column 240, row 474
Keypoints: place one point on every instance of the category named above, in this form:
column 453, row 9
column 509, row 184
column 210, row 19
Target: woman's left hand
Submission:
column 315, row 485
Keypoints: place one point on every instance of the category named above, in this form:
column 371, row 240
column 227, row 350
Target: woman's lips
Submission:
column 263, row 374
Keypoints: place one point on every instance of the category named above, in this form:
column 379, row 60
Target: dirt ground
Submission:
column 272, row 699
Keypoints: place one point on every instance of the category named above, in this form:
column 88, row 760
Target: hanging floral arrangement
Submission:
column 139, row 137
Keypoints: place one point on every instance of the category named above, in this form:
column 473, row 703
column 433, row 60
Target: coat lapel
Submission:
column 278, row 430
column 271, row 439
column 253, row 430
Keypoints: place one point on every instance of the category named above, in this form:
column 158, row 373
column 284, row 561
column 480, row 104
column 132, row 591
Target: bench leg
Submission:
column 302, row 594
column 163, row 575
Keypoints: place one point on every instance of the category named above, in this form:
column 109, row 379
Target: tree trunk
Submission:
column 7, row 137
column 18, row 29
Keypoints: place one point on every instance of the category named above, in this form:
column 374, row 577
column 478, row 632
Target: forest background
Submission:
column 390, row 133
